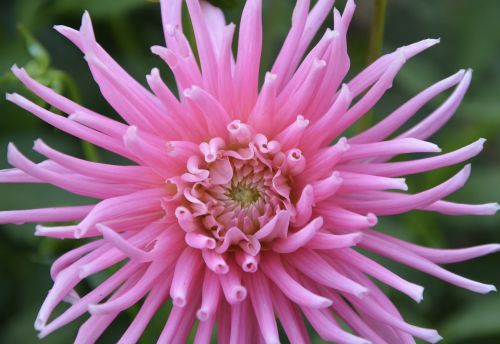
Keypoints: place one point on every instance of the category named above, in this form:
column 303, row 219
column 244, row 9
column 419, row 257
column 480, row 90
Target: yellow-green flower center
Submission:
column 244, row 195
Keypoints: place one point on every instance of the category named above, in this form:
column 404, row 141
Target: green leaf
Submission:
column 41, row 58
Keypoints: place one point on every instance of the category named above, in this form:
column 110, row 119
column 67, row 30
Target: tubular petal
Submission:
column 273, row 268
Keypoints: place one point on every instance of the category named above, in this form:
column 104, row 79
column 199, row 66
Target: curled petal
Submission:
column 298, row 239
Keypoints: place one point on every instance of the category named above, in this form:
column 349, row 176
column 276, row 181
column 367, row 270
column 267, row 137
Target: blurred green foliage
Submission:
column 470, row 33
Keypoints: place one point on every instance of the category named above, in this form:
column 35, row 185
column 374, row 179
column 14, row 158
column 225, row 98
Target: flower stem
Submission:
column 377, row 29
column 375, row 46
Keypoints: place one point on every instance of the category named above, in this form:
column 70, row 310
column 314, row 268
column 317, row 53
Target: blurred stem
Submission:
column 377, row 29
column 375, row 45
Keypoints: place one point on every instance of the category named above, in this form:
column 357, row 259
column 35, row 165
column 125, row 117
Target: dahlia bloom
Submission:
column 235, row 205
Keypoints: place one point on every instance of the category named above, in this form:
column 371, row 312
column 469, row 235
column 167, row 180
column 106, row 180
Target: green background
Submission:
column 470, row 33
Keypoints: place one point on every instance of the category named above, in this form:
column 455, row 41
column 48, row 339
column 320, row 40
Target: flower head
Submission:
column 235, row 204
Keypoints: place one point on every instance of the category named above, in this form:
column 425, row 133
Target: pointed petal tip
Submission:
column 325, row 303
column 86, row 17
column 86, row 25
column 356, row 238
column 482, row 140
column 435, row 337
column 330, row 34
column 84, row 272
column 402, row 185
column 154, row 74
column 16, row 70
column 79, row 232
column 38, row 230
column 103, row 229
column 42, row 333
column 155, row 49
column 38, row 145
column 131, row 132
column 490, row 288
column 39, row 323
column 10, row 97
column 12, row 152
column 74, row 116
column 418, row 295
column 94, row 309
column 417, row 47
column 345, row 89
column 270, row 77
column 429, row 42
column 64, row 30
column 362, row 292
column 318, row 222
column 460, row 74
column 319, row 63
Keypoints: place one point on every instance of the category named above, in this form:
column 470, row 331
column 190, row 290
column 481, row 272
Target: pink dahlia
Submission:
column 234, row 205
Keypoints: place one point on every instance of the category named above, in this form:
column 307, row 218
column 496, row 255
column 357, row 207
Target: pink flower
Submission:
column 234, row 205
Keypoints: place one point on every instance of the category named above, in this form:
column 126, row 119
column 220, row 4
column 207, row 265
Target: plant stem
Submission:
column 377, row 29
column 375, row 46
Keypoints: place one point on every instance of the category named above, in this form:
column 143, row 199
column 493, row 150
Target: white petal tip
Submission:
column 418, row 296
column 39, row 324
column 94, row 309
column 362, row 292
column 74, row 117
column 79, row 232
column 15, row 69
column 325, row 303
column 38, row 145
column 479, row 144
column 84, row 273
column 434, row 338
column 270, row 77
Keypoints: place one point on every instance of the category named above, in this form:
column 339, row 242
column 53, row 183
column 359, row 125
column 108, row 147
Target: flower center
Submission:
column 243, row 194
column 235, row 195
